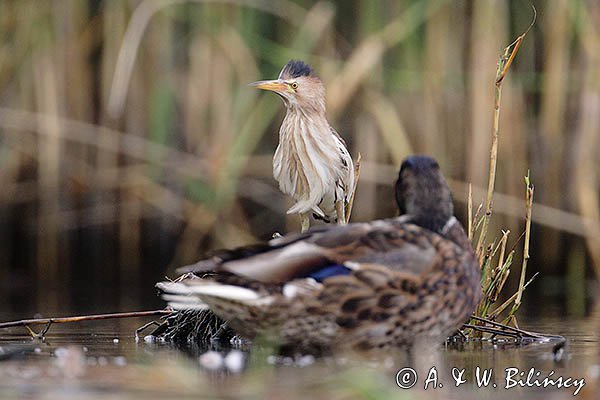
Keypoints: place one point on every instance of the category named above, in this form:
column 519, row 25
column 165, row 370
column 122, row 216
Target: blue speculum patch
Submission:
column 329, row 271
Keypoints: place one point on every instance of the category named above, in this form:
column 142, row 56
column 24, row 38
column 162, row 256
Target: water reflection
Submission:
column 104, row 357
column 96, row 359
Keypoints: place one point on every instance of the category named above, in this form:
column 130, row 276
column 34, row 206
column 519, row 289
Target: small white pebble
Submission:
column 85, row 349
column 234, row 361
column 149, row 339
column 388, row 362
column 119, row 361
column 61, row 352
column 594, row 371
column 271, row 360
column 37, row 350
column 71, row 361
column 102, row 361
column 305, row 361
column 211, row 360
column 115, row 340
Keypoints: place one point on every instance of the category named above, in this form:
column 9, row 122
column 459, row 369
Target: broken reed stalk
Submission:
column 356, row 177
column 492, row 173
column 493, row 279
column 503, row 248
column 528, row 213
column 504, row 63
column 470, row 213
column 503, row 268
column 493, row 282
column 61, row 320
column 512, row 298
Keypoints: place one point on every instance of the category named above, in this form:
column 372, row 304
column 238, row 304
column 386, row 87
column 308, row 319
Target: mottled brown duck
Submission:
column 376, row 284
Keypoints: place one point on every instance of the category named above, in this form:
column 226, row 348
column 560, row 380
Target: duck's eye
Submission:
column 294, row 85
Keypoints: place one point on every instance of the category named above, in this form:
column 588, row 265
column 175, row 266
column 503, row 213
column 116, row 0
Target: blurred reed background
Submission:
column 130, row 143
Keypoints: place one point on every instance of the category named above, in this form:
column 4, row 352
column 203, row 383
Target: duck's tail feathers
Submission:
column 197, row 293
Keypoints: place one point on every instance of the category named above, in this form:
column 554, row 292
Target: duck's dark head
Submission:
column 423, row 194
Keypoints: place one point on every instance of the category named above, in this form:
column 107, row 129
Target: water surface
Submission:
column 103, row 359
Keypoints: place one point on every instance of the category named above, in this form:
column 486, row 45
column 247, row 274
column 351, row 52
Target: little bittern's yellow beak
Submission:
column 275, row 85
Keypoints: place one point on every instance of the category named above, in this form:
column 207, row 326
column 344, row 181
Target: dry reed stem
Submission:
column 504, row 64
column 528, row 211
column 368, row 54
column 49, row 158
column 503, row 241
column 586, row 140
column 368, row 145
column 470, row 212
column 356, row 178
column 555, row 86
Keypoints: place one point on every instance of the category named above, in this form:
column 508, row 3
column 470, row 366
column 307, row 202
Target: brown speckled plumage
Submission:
column 365, row 285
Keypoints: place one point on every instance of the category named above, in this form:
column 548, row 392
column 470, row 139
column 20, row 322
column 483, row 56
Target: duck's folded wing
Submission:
column 409, row 258
column 385, row 242
column 218, row 257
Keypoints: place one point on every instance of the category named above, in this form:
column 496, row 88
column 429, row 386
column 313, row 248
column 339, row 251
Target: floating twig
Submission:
column 62, row 320
column 496, row 329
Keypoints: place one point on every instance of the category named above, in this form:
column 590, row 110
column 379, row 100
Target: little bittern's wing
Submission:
column 347, row 164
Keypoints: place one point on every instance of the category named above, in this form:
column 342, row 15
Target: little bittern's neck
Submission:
column 300, row 122
column 309, row 110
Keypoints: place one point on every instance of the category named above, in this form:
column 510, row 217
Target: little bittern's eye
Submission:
column 294, row 85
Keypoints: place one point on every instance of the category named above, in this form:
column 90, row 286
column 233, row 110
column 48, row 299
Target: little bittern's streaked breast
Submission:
column 311, row 163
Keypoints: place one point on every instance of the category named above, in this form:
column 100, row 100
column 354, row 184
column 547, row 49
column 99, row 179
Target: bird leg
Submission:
column 304, row 222
column 340, row 210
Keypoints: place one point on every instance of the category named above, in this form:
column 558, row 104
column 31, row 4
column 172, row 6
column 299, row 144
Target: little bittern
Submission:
column 311, row 162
